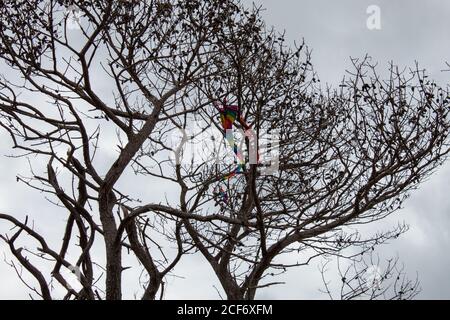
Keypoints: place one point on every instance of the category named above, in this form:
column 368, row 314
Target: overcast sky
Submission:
column 411, row 30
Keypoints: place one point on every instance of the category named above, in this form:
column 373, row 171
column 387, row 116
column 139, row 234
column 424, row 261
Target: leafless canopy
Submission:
column 139, row 72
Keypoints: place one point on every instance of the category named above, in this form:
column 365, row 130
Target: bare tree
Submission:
column 346, row 156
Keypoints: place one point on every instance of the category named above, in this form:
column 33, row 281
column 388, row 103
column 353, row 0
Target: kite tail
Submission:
column 237, row 152
column 239, row 168
column 222, row 192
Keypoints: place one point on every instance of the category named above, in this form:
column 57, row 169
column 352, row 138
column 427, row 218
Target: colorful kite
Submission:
column 228, row 115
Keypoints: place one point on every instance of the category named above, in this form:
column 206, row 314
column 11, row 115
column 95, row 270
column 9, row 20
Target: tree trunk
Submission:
column 113, row 249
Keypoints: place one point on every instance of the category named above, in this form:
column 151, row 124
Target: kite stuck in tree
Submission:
column 228, row 115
